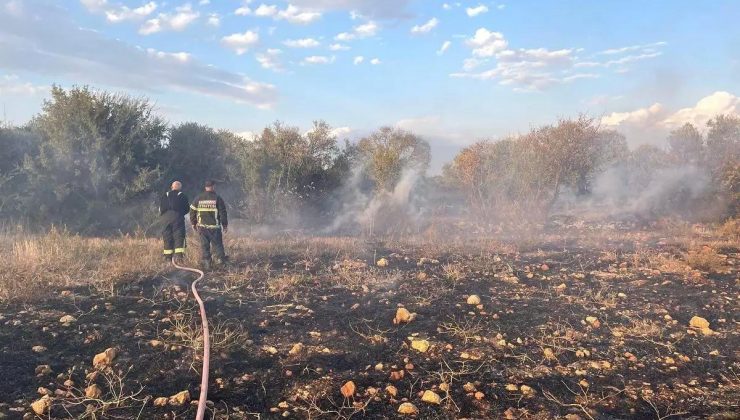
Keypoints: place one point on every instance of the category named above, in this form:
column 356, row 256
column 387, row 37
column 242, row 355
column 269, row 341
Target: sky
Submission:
column 451, row 72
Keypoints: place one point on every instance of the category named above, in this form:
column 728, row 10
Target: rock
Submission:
column 69, row 383
column 397, row 375
column 43, row 370
column 93, row 392
column 44, row 391
column 180, row 399
column 270, row 349
column 593, row 321
column 382, row 262
column 42, row 405
column 473, row 300
column 527, row 390
column 296, row 349
column 420, row 345
column 544, row 267
column 156, row 343
column 348, row 389
column 698, row 322
column 561, row 287
column 160, row 401
column 391, row 390
column 479, row 395
column 38, row 349
column 444, row 386
column 67, row 319
column 105, row 358
column 403, row 316
column 379, row 367
column 431, row 397
column 512, row 388
column 407, row 408
column 469, row 387
column 701, row 324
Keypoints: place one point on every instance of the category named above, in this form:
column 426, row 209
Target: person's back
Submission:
column 173, row 206
column 209, row 218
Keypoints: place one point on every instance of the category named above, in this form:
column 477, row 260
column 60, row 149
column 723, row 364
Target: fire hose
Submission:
column 206, row 341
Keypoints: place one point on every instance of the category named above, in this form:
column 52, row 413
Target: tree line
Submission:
column 93, row 161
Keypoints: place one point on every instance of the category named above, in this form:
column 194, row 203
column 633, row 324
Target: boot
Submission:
column 178, row 259
column 206, row 264
column 168, row 258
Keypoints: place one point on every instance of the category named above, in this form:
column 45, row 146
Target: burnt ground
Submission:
column 565, row 327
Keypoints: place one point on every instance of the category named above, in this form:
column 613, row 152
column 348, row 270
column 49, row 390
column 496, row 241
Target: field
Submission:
column 573, row 320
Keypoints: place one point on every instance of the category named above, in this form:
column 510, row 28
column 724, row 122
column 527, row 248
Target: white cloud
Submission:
column 486, row 43
column 340, row 132
column 301, row 43
column 707, row 108
column 365, row 30
column 375, row 61
column 318, row 59
column 445, row 46
column 48, row 41
column 214, row 20
column 204, row 2
column 297, row 15
column 291, row 13
column 643, row 116
column 358, row 60
column 425, row 28
column 124, row 13
column 266, row 11
column 338, row 47
column 10, row 84
column 243, row 11
column 621, row 50
column 475, row 11
column 657, row 118
column 372, row 9
column 270, row 59
column 178, row 21
column 241, row 42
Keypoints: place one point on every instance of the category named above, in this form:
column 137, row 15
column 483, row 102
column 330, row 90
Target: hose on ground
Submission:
column 206, row 341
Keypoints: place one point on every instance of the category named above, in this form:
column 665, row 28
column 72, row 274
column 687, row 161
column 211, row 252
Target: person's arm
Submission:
column 222, row 214
column 184, row 204
column 163, row 204
column 194, row 212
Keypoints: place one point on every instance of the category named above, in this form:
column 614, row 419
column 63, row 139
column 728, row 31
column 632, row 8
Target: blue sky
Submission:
column 453, row 72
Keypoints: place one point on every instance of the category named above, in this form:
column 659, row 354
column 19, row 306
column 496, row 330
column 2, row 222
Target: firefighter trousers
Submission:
column 173, row 235
column 211, row 237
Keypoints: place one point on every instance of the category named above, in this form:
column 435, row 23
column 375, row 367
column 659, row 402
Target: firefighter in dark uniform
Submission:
column 209, row 218
column 172, row 209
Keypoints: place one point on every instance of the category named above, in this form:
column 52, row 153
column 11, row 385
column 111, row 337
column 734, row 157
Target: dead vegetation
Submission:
column 583, row 321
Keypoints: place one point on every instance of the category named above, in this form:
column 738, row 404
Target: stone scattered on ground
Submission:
column 408, row 409
column 420, row 345
column 431, row 397
column 403, row 316
column 42, row 405
column 180, row 399
column 473, row 300
column 105, row 358
column 348, row 389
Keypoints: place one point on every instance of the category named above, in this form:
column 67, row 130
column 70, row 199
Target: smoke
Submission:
column 377, row 211
column 623, row 191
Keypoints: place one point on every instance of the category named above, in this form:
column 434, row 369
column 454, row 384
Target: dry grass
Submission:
column 705, row 259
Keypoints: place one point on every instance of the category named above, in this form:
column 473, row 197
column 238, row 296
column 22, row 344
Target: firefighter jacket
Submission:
column 208, row 210
column 175, row 201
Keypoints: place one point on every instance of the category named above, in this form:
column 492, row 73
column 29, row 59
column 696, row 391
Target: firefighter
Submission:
column 172, row 209
column 208, row 217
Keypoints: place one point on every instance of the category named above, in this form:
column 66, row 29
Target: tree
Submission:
column 723, row 141
column 196, row 153
column 16, row 145
column 686, row 144
column 99, row 154
column 389, row 151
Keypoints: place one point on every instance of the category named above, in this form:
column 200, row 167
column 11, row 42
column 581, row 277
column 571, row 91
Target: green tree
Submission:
column 98, row 160
column 686, row 144
column 389, row 151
